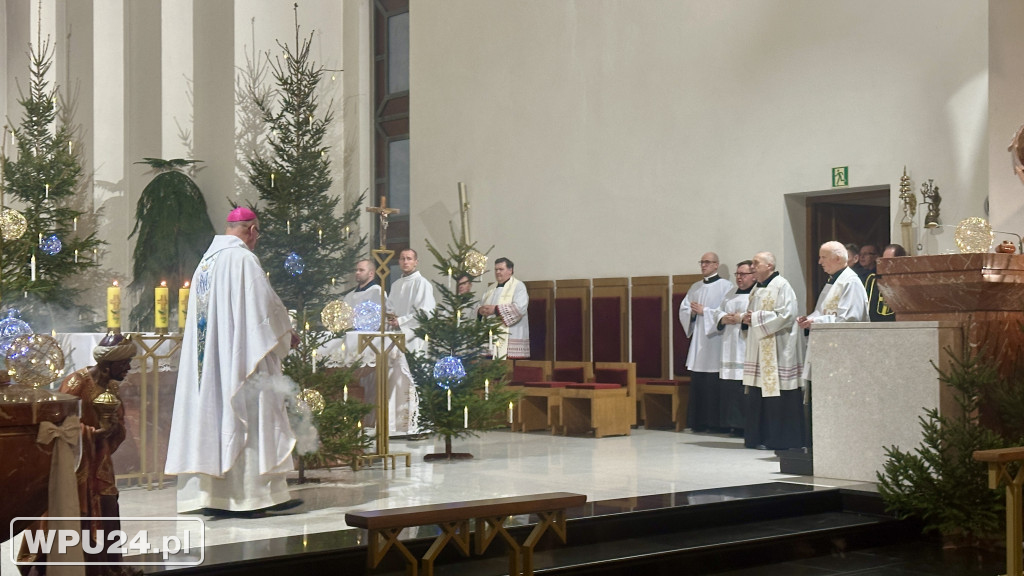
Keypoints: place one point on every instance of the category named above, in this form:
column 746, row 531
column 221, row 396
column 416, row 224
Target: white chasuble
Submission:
column 705, row 353
column 409, row 294
column 734, row 338
column 844, row 299
column 512, row 302
column 230, row 439
column 775, row 343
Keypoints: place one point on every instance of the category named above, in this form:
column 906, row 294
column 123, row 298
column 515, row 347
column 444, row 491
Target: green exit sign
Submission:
column 840, row 176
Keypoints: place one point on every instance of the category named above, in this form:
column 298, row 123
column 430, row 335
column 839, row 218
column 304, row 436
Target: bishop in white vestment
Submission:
column 508, row 300
column 696, row 314
column 230, row 440
column 774, row 359
column 842, row 299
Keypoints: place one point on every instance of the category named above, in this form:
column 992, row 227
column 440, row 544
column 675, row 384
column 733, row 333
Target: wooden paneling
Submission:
column 572, row 342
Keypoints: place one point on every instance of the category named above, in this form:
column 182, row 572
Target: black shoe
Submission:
column 288, row 505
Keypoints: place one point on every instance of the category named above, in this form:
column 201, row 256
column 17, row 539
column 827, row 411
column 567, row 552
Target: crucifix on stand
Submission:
column 387, row 342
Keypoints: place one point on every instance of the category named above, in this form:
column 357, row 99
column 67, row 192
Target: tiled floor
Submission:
column 506, row 464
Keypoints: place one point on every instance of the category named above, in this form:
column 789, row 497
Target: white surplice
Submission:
column 844, row 299
column 370, row 293
column 705, row 353
column 230, row 440
column 409, row 294
column 775, row 342
column 734, row 338
column 512, row 303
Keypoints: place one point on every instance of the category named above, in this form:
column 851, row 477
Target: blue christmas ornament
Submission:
column 368, row 316
column 51, row 244
column 293, row 264
column 10, row 328
column 449, row 370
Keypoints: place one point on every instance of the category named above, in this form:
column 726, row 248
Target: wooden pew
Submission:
column 384, row 526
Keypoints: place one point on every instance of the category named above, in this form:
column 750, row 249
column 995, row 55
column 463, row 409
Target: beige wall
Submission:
column 613, row 137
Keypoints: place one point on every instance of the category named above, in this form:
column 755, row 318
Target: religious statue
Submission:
column 932, row 199
column 103, row 431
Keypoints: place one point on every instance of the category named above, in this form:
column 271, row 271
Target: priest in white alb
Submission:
column 842, row 299
column 729, row 321
column 230, row 440
column 704, row 359
column 774, row 359
column 409, row 294
column 508, row 300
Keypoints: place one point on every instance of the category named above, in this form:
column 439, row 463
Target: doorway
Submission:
column 859, row 216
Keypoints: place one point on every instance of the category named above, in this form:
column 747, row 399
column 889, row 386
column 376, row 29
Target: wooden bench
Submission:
column 384, row 526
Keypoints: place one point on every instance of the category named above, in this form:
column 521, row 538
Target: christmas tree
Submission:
column 174, row 232
column 39, row 269
column 461, row 390
column 305, row 245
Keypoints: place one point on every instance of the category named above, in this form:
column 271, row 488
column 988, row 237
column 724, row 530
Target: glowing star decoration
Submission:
column 367, row 316
column 12, row 224
column 338, row 316
column 448, row 371
column 51, row 245
column 35, row 360
column 10, row 328
column 474, row 263
column 311, row 399
column 294, row 264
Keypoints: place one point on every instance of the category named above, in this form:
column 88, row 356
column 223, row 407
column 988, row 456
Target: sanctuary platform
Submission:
column 657, row 501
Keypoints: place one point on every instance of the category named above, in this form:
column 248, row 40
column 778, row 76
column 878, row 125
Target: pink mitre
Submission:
column 241, row 214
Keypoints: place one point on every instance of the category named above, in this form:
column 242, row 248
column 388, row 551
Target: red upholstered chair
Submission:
column 606, row 405
column 524, row 371
column 540, row 404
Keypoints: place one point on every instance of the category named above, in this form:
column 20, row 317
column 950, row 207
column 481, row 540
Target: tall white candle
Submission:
column 487, row 389
column 449, row 399
column 465, row 416
column 76, row 256
column 33, row 267
column 314, row 361
column 509, row 412
column 449, row 278
column 75, row 229
column 344, row 394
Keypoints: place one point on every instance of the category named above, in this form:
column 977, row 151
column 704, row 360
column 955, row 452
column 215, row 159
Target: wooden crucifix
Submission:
column 383, row 211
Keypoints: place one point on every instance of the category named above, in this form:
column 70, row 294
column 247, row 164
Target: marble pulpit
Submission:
column 982, row 292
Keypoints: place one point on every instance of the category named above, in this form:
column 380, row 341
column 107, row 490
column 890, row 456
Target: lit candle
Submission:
column 346, row 232
column 76, row 256
column 344, row 393
column 458, row 316
column 70, row 146
column 162, row 308
column 113, row 306
column 314, row 361
column 449, row 277
column 75, row 224
column 272, row 176
column 490, row 342
column 53, row 333
column 449, row 399
column 182, row 306
column 359, row 424
column 426, row 343
column 307, row 326
column 509, row 412
column 465, row 416
column 289, row 223
column 47, row 190
column 332, row 281
column 320, row 235
column 95, row 255
column 311, row 121
column 487, row 389
column 33, row 266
